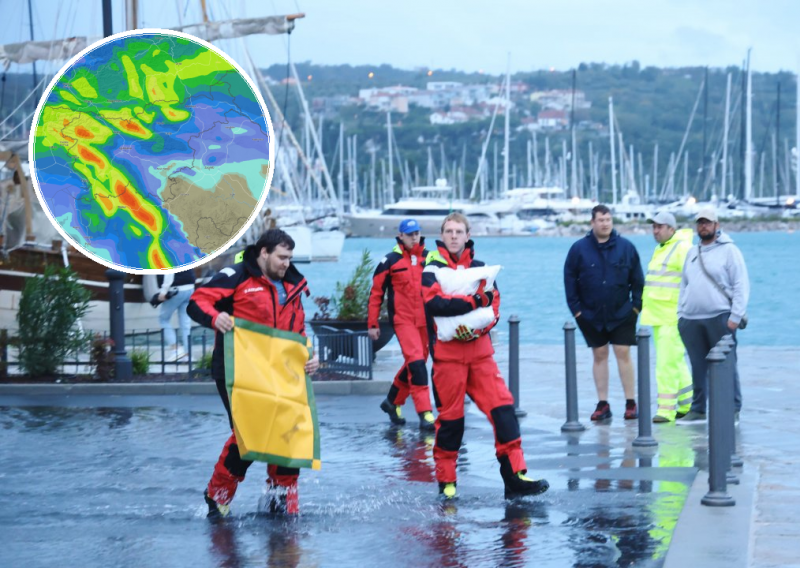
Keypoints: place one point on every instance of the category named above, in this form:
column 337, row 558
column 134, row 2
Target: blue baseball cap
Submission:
column 409, row 226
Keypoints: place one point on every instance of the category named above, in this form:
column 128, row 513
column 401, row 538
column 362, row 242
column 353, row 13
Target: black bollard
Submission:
column 717, row 495
column 513, row 362
column 645, row 438
column 572, row 424
column 730, row 343
column 726, row 375
column 123, row 368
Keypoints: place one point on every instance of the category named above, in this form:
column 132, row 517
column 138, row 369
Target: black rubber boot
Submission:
column 393, row 411
column 517, row 484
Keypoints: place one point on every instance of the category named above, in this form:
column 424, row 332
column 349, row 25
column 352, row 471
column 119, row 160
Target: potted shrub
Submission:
column 347, row 308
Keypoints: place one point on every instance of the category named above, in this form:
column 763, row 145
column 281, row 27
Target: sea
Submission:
column 532, row 286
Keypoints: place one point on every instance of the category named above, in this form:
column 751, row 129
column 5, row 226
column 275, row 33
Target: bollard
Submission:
column 717, row 495
column 727, row 388
column 645, row 438
column 123, row 368
column 513, row 362
column 729, row 344
column 572, row 424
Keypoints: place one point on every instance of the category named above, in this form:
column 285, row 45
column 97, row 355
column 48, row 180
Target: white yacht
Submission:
column 535, row 204
column 429, row 205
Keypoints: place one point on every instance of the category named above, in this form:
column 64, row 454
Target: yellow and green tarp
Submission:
column 272, row 402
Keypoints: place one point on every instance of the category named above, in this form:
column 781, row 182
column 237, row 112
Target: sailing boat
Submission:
column 28, row 242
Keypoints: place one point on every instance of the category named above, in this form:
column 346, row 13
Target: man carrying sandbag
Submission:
column 399, row 275
column 263, row 287
column 465, row 365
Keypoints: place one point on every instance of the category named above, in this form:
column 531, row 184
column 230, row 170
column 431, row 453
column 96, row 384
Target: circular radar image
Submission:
column 151, row 151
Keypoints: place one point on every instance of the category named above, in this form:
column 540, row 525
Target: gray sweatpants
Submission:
column 699, row 336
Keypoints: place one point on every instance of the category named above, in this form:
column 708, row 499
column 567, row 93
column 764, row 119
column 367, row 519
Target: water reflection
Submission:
column 223, row 544
column 520, row 516
column 414, row 452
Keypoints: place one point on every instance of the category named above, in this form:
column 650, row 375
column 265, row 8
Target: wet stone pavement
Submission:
column 107, row 480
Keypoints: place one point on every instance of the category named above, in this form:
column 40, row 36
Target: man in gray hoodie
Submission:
column 713, row 299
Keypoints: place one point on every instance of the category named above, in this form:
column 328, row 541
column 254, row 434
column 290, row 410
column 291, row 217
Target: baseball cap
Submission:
column 409, row 226
column 664, row 218
column 709, row 213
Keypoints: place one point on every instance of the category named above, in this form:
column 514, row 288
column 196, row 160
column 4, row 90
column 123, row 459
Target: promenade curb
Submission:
column 205, row 388
column 715, row 537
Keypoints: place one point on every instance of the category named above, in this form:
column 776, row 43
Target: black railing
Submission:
column 148, row 344
column 344, row 354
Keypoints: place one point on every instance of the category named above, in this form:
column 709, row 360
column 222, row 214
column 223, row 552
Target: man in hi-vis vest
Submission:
column 660, row 310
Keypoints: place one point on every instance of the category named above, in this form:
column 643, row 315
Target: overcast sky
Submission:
column 469, row 35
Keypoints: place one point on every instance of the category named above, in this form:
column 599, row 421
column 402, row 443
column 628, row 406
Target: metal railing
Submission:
column 343, row 354
column 146, row 343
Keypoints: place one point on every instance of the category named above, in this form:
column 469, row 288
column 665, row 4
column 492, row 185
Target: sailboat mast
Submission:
column 748, row 158
column 777, row 143
column 507, row 131
column 613, row 154
column 725, row 128
column 340, row 177
column 107, row 26
column 574, row 157
column 30, row 23
column 391, row 156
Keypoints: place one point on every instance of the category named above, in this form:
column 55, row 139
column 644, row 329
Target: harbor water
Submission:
column 532, row 285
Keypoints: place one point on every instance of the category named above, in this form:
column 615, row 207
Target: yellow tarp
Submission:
column 272, row 402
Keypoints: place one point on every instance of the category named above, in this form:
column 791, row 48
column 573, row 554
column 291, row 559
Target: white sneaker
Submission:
column 174, row 353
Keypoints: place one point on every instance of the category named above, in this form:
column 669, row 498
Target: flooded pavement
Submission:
column 99, row 481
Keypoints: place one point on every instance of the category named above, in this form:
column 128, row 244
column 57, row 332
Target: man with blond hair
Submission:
column 465, row 366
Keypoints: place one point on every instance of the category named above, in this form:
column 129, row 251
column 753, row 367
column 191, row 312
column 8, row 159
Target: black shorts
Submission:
column 623, row 334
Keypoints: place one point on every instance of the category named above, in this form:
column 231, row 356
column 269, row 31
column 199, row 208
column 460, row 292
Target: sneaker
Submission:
column 631, row 413
column 395, row 412
column 215, row 510
column 602, row 412
column 679, row 414
column 518, row 484
column 174, row 353
column 427, row 421
column 658, row 419
column 447, row 490
column 692, row 417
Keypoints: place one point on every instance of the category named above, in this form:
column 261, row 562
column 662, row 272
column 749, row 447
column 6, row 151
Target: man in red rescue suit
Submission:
column 400, row 275
column 465, row 366
column 265, row 287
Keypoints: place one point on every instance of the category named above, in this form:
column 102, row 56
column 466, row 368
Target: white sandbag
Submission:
column 465, row 282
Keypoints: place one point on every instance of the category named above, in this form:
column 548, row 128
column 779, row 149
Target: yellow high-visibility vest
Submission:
column 662, row 282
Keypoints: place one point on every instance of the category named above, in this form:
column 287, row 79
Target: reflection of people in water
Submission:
column 284, row 549
column 414, row 452
column 442, row 540
column 224, row 546
column 519, row 517
column 283, row 546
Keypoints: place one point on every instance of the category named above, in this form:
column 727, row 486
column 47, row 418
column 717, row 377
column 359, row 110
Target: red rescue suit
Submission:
column 399, row 275
column 465, row 368
column 242, row 290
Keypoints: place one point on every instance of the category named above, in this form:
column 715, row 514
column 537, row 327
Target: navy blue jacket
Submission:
column 603, row 281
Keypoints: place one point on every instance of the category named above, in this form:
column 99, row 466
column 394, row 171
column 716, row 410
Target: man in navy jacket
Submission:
column 603, row 280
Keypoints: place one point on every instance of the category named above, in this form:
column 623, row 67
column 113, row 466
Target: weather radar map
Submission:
column 151, row 151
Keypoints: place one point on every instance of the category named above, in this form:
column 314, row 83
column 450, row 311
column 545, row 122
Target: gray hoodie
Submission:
column 699, row 297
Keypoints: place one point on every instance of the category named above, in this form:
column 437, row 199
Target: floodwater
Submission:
column 111, row 481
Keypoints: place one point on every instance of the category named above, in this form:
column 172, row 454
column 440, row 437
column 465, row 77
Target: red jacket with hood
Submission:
column 399, row 274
